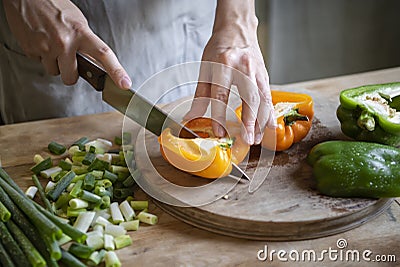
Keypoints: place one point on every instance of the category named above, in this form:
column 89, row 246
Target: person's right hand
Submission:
column 53, row 31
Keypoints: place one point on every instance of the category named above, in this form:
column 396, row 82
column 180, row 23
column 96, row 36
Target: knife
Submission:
column 141, row 110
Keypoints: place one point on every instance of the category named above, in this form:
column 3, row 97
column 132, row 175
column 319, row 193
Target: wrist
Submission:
column 237, row 20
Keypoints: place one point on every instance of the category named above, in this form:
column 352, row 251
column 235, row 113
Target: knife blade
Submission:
column 141, row 110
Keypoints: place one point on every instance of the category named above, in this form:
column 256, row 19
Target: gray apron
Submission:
column 147, row 36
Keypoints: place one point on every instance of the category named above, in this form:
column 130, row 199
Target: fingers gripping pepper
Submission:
column 356, row 169
column 294, row 113
column 371, row 113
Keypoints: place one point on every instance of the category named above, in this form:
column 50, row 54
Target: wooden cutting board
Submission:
column 285, row 207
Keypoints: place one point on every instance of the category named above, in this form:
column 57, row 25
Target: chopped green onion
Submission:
column 51, row 171
column 110, row 176
column 74, row 212
column 90, row 197
column 105, row 157
column 92, row 149
column 100, row 146
column 101, row 191
column 99, row 165
column 73, row 149
column 122, row 241
column 102, row 221
column 105, row 202
column 80, row 250
column 95, row 233
column 79, row 177
column 98, row 228
column 104, row 183
column 79, row 169
column 148, row 218
column 55, row 177
column 77, row 203
column 31, row 192
column 116, row 214
column 63, row 240
column 119, row 169
column 50, row 185
column 89, row 181
column 77, row 159
column 127, row 210
column 121, row 193
column 97, row 174
column 43, row 165
column 81, row 142
column 80, row 153
column 106, row 142
column 66, row 166
column 109, row 242
column 96, row 257
column 5, row 214
column 56, row 148
column 84, row 221
column 96, row 242
column 61, row 185
column 129, row 198
column 122, row 176
column 114, row 230
column 62, row 200
column 77, row 189
column 131, row 225
column 111, row 259
column 139, row 204
column 130, row 181
column 70, row 187
column 89, row 158
column 37, row 159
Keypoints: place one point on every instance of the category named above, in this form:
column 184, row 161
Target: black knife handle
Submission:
column 92, row 73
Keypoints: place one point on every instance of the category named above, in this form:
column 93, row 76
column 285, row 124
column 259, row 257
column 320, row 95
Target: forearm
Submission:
column 237, row 19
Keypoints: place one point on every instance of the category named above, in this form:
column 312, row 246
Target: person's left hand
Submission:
column 243, row 65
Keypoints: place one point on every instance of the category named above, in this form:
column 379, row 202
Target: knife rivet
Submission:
column 89, row 74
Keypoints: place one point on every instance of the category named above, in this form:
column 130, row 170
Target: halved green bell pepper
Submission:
column 356, row 169
column 371, row 113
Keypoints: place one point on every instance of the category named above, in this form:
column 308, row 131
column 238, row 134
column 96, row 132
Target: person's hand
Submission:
column 53, row 32
column 234, row 44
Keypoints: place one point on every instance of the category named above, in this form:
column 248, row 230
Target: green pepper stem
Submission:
column 366, row 121
column 293, row 116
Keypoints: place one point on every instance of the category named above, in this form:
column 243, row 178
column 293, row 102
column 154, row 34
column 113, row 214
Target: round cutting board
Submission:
column 285, row 207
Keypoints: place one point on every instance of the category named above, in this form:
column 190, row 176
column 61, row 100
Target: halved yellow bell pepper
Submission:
column 208, row 156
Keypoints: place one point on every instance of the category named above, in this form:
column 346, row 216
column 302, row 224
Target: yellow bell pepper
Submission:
column 208, row 156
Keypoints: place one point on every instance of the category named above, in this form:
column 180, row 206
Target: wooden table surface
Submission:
column 174, row 243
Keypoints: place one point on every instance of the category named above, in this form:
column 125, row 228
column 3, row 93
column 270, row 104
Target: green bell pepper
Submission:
column 356, row 169
column 371, row 113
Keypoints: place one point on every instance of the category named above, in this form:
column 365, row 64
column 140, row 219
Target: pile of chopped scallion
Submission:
column 88, row 207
